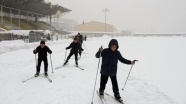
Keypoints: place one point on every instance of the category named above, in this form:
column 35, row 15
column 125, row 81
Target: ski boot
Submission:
column 118, row 98
column 46, row 74
column 101, row 94
column 37, row 74
column 76, row 64
column 65, row 62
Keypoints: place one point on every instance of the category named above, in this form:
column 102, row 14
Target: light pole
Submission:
column 2, row 15
column 105, row 10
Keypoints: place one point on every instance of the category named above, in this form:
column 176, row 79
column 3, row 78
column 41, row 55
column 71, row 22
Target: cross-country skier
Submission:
column 110, row 57
column 80, row 40
column 42, row 56
column 75, row 47
column 85, row 38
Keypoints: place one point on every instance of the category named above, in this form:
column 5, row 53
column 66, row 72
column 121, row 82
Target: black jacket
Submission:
column 81, row 39
column 42, row 52
column 75, row 47
column 110, row 59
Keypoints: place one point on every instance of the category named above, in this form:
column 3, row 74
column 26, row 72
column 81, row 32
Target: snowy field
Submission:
column 158, row 77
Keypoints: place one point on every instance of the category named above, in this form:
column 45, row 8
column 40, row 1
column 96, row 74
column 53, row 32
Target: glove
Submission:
column 50, row 52
column 133, row 62
column 34, row 51
column 100, row 49
column 66, row 48
column 82, row 49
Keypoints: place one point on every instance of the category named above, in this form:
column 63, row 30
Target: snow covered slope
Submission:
column 158, row 77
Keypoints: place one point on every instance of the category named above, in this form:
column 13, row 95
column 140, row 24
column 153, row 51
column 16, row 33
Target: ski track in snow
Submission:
column 70, row 85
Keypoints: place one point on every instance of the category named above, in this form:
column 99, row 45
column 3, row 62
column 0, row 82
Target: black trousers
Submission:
column 45, row 64
column 80, row 50
column 103, row 82
column 71, row 53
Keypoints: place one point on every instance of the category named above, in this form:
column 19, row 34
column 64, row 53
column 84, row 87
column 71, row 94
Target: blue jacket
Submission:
column 110, row 59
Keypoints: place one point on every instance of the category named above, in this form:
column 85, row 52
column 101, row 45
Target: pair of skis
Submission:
column 65, row 65
column 79, row 67
column 103, row 100
column 50, row 80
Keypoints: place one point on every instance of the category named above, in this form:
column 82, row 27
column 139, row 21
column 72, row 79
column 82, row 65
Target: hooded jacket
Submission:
column 110, row 59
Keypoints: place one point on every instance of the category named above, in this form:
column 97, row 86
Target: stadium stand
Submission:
column 27, row 14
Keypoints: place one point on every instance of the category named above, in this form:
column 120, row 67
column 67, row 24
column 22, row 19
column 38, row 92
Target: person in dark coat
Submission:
column 85, row 38
column 75, row 47
column 42, row 56
column 110, row 57
column 80, row 40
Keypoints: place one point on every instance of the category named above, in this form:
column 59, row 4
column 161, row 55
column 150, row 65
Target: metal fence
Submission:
column 9, row 36
column 32, row 36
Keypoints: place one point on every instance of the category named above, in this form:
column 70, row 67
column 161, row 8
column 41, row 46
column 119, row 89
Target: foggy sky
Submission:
column 137, row 16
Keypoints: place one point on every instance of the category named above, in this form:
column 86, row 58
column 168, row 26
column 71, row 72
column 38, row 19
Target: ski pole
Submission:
column 35, row 59
column 128, row 76
column 65, row 55
column 96, row 77
column 84, row 46
column 51, row 63
column 85, row 54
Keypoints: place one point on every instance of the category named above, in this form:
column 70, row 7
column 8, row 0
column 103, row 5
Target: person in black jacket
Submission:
column 85, row 38
column 80, row 40
column 75, row 47
column 42, row 56
column 110, row 57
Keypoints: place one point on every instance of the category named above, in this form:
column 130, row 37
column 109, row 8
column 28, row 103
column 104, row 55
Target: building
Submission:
column 94, row 26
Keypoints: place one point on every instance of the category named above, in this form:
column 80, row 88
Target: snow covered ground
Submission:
column 158, row 77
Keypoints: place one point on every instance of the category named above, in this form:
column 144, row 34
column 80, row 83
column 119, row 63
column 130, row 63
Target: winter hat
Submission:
column 113, row 42
column 42, row 42
column 75, row 38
